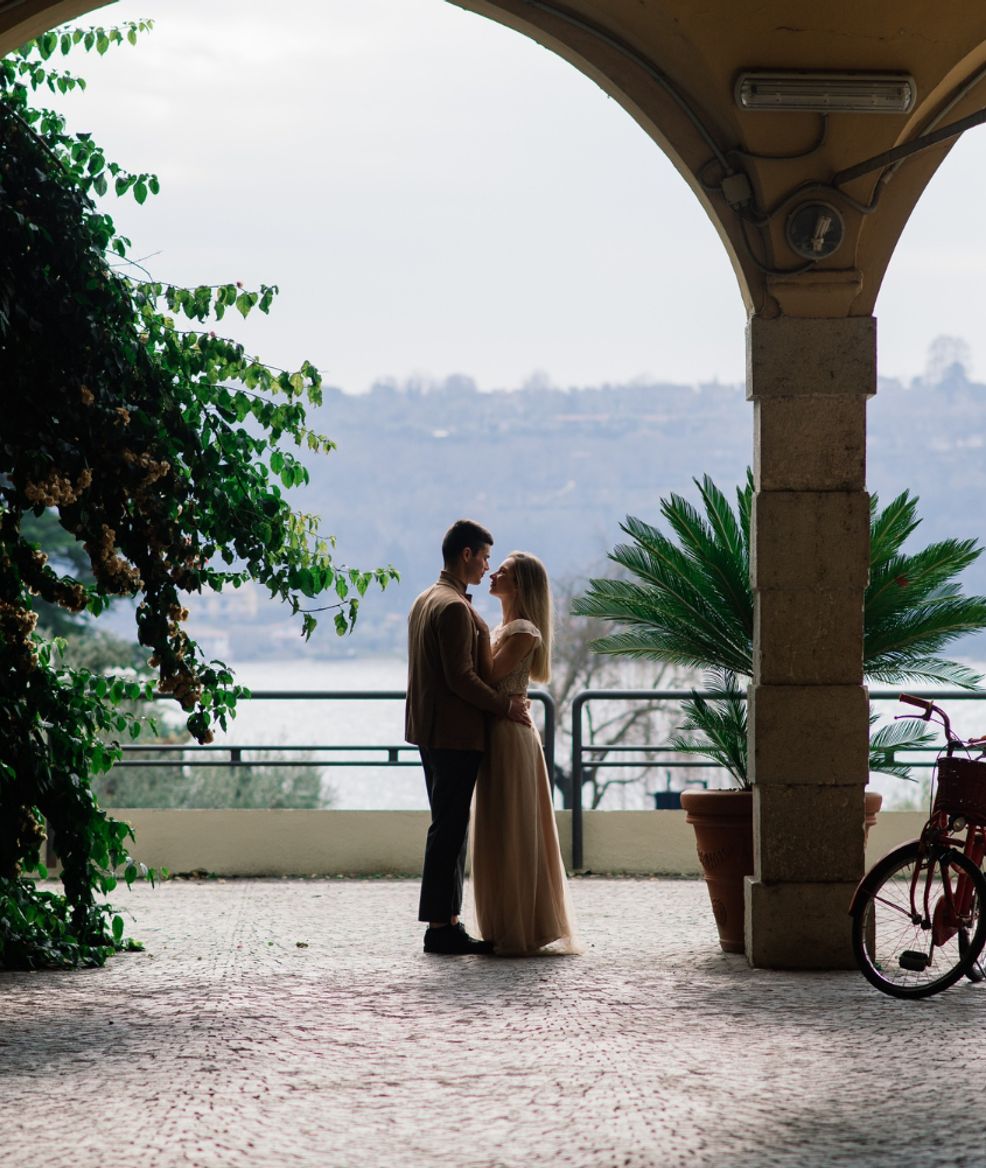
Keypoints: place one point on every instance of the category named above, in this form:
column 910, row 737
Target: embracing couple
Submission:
column 468, row 713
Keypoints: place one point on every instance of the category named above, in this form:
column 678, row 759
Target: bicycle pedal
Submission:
column 914, row 961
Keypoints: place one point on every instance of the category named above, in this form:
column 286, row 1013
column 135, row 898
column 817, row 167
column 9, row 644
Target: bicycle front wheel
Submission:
column 912, row 946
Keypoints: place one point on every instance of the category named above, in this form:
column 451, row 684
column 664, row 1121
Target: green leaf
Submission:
column 174, row 430
column 306, row 581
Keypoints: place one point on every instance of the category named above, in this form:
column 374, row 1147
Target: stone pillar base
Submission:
column 798, row 926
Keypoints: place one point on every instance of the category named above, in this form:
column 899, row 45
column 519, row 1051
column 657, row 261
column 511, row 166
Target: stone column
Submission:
column 809, row 380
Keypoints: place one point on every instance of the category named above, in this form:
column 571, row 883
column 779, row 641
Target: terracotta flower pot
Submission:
column 872, row 802
column 723, row 822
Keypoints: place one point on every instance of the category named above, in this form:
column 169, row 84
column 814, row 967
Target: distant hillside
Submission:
column 554, row 471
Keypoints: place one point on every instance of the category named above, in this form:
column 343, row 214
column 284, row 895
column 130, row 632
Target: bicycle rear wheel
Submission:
column 910, row 958
column 975, row 971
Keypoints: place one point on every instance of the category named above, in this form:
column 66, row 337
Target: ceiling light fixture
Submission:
column 814, row 230
column 860, row 93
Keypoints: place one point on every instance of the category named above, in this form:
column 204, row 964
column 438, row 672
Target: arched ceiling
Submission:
column 645, row 52
column 673, row 65
column 21, row 20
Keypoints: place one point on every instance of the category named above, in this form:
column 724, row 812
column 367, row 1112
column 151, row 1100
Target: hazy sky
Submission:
column 435, row 194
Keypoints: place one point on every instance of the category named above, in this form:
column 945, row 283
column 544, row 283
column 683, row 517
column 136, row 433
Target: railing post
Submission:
column 577, row 779
column 550, row 721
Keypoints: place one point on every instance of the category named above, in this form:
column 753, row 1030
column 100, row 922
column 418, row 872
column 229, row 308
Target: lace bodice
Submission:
column 516, row 681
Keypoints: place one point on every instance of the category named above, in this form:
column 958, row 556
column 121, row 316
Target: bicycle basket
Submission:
column 962, row 788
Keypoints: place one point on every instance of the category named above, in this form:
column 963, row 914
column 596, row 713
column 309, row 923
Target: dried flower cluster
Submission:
column 16, row 627
column 114, row 575
column 57, row 490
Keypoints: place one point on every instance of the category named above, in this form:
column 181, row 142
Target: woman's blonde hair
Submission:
column 534, row 604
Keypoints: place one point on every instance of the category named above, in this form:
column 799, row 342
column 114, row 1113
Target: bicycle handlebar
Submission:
column 929, row 709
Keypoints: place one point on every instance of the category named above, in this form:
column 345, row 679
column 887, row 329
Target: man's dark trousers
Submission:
column 450, row 776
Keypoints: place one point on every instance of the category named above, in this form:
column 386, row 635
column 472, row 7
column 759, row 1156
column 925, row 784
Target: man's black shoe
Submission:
column 454, row 941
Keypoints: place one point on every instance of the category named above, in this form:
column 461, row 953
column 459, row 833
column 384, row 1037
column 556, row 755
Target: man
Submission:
column 445, row 717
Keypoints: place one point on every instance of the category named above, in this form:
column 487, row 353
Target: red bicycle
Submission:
column 918, row 919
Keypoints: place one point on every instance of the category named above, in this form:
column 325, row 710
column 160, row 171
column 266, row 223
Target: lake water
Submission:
column 334, row 723
column 308, row 722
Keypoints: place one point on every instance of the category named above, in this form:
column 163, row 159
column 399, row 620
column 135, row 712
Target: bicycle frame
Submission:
column 953, row 907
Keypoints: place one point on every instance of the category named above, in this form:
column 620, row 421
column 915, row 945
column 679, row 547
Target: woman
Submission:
column 519, row 885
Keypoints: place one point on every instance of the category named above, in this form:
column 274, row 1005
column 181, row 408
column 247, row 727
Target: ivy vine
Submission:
column 164, row 451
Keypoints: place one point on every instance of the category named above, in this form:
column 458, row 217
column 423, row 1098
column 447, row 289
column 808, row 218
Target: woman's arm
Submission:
column 509, row 654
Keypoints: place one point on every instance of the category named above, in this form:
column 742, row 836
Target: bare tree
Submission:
column 607, row 723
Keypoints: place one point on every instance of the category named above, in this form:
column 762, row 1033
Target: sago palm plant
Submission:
column 686, row 599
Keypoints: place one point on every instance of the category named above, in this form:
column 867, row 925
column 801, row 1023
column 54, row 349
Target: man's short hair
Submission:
column 464, row 533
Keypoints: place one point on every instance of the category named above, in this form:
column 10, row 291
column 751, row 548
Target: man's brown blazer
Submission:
column 447, row 701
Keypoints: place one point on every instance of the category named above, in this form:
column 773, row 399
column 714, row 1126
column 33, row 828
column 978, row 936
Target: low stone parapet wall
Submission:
column 325, row 843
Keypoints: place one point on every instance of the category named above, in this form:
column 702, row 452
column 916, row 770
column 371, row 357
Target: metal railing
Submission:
column 394, row 754
column 580, row 751
column 584, row 755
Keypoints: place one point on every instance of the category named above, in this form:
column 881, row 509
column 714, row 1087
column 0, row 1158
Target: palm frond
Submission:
column 688, row 600
column 902, row 669
column 744, row 505
column 890, row 527
column 905, row 580
column 714, row 564
column 681, row 604
column 905, row 734
column 911, row 637
column 727, row 559
column 722, row 519
column 722, row 722
column 652, row 645
column 686, row 522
